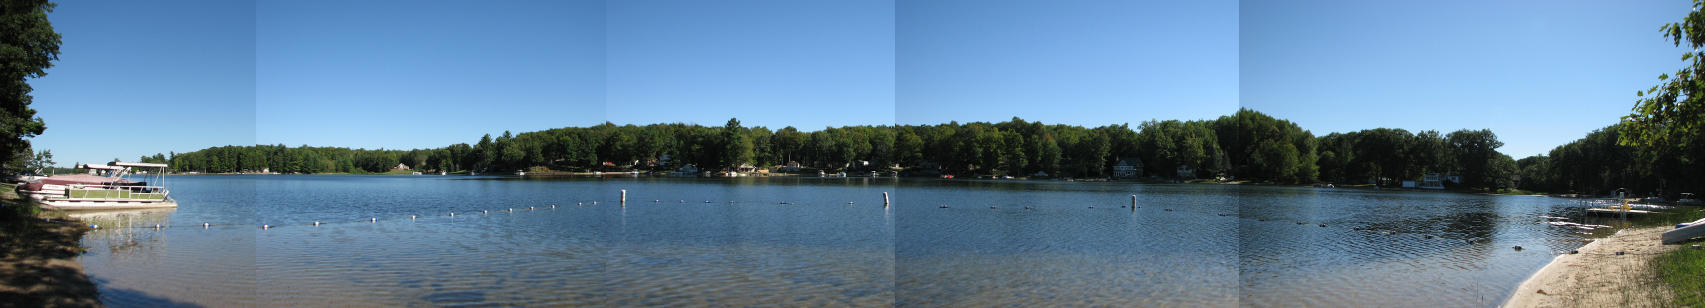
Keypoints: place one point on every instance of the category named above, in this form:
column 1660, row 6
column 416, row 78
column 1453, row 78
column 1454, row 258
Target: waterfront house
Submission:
column 792, row 166
column 1185, row 172
column 1432, row 181
column 400, row 167
column 1128, row 167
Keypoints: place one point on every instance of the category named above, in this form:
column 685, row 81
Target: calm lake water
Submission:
column 732, row 242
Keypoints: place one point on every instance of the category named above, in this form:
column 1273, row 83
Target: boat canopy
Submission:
column 67, row 179
column 101, row 167
column 141, row 165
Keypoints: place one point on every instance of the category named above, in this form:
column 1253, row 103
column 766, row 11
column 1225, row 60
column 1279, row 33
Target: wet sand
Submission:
column 38, row 262
column 1597, row 277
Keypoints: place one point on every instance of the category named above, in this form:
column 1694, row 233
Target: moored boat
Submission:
column 106, row 187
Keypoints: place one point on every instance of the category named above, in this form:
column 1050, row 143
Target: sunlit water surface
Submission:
column 1006, row 243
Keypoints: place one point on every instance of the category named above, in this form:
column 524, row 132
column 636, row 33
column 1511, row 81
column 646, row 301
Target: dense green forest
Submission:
column 1603, row 161
column 1247, row 145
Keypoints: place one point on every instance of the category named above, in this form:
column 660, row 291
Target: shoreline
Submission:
column 1597, row 277
column 38, row 257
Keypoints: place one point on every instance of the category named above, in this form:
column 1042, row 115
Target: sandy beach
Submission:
column 38, row 260
column 1597, row 277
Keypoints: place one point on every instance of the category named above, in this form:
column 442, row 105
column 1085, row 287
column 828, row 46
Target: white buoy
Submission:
column 156, row 226
column 884, row 199
column 316, row 224
column 485, row 212
column 624, row 197
column 205, row 225
column 264, row 227
column 452, row 214
column 410, row 217
column 373, row 220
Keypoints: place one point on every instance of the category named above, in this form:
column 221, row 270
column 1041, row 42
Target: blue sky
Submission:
column 139, row 79
column 776, row 63
column 405, row 74
column 1082, row 62
column 1539, row 74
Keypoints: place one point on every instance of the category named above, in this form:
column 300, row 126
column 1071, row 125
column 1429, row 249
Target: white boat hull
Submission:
column 92, row 205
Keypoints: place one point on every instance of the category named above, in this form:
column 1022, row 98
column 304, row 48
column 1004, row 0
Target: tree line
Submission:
column 1607, row 159
column 1246, row 145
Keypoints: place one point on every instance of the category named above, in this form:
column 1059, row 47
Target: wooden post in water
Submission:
column 884, row 199
column 624, row 198
column 1133, row 203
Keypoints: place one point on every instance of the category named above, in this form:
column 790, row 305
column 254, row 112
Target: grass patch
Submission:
column 1683, row 270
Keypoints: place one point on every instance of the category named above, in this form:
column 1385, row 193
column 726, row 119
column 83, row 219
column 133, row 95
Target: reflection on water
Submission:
column 812, row 242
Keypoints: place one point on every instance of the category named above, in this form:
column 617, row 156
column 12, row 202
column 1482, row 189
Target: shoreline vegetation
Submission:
column 1246, row 146
column 38, row 258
